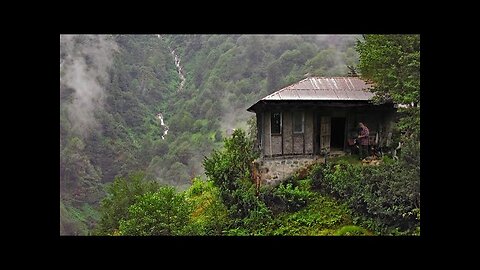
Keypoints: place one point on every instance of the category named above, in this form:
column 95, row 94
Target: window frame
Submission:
column 271, row 123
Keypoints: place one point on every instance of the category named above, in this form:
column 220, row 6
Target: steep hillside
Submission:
column 160, row 103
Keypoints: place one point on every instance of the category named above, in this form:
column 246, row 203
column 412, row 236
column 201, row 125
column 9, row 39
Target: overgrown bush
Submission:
column 305, row 184
column 209, row 214
column 258, row 220
column 293, row 198
column 121, row 194
column 386, row 197
column 321, row 216
column 164, row 212
column 229, row 169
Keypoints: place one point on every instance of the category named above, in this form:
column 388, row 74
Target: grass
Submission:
column 352, row 159
column 351, row 230
column 322, row 216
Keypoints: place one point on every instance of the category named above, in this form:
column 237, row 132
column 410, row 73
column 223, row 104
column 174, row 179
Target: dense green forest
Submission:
column 335, row 198
column 146, row 145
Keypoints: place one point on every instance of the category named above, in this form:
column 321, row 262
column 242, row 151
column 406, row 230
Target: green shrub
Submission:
column 316, row 174
column 164, row 212
column 229, row 168
column 386, row 197
column 258, row 220
column 237, row 232
column 351, row 230
column 293, row 198
column 121, row 194
column 209, row 214
column 305, row 184
column 322, row 216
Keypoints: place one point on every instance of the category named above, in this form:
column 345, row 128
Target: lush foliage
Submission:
column 351, row 230
column 164, row 212
column 136, row 206
column 228, row 203
column 121, row 194
column 322, row 216
column 209, row 215
column 224, row 75
column 386, row 198
column 389, row 194
column 70, row 217
column 229, row 169
column 392, row 62
column 290, row 196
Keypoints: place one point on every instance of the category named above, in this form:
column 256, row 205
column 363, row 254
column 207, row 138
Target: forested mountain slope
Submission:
column 114, row 88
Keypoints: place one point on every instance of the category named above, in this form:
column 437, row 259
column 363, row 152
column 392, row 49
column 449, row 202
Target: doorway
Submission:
column 337, row 141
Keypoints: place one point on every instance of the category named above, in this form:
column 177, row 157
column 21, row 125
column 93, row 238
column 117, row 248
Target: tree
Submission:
column 121, row 194
column 229, row 169
column 392, row 63
column 76, row 170
column 164, row 212
column 209, row 215
column 228, row 166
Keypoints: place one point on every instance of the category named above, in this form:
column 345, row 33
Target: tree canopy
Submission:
column 392, row 63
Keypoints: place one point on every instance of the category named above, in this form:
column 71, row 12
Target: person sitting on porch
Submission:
column 363, row 140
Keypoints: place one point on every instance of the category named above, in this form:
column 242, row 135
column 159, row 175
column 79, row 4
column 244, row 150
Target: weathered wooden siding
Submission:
column 298, row 143
column 288, row 143
column 276, row 144
column 287, row 133
column 266, row 134
column 308, row 132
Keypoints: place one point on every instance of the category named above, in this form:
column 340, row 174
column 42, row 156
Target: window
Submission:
column 298, row 122
column 276, row 123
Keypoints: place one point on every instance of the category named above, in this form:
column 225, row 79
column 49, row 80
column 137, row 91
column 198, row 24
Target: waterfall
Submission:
column 162, row 123
column 179, row 68
column 176, row 59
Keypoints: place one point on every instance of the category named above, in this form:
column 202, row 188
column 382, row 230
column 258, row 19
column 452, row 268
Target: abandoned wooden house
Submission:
column 313, row 117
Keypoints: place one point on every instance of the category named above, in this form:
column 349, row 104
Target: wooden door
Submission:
column 325, row 131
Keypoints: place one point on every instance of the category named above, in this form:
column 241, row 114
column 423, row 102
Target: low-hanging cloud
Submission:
column 84, row 63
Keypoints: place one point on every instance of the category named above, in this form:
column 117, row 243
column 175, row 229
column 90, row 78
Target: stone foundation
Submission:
column 275, row 170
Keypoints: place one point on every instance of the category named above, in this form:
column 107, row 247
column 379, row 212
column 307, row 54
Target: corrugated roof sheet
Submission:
column 323, row 88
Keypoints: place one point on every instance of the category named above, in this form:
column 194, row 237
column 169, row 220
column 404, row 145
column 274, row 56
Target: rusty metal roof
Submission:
column 323, row 88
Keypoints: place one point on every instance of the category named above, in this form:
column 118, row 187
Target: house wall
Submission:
column 260, row 130
column 375, row 118
column 297, row 143
column 287, row 133
column 276, row 145
column 298, row 149
column 273, row 143
column 266, row 134
column 290, row 143
column 309, row 132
